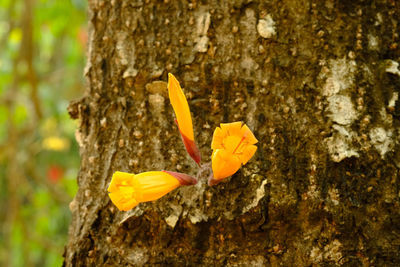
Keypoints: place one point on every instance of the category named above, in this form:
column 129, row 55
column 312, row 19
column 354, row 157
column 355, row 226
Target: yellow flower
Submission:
column 127, row 190
column 55, row 143
column 233, row 145
column 183, row 118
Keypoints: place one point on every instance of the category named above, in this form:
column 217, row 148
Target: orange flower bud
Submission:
column 127, row 190
column 233, row 145
column 183, row 117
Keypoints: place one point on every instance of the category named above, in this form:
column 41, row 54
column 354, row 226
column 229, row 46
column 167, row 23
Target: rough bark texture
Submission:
column 317, row 82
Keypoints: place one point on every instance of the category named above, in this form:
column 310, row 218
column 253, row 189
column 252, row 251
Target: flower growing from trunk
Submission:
column 233, row 145
column 127, row 190
column 183, row 117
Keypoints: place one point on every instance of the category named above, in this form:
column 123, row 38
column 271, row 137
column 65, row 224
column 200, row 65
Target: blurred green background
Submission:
column 42, row 48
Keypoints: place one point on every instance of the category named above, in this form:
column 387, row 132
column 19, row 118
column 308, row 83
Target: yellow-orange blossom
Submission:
column 233, row 145
column 183, row 117
column 126, row 190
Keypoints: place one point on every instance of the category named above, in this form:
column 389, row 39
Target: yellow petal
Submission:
column 224, row 164
column 217, row 139
column 154, row 185
column 250, row 138
column 122, row 191
column 232, row 128
column 122, row 204
column 119, row 178
column 247, row 153
column 233, row 143
column 180, row 106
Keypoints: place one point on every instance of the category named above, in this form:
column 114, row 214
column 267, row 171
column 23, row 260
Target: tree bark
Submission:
column 317, row 82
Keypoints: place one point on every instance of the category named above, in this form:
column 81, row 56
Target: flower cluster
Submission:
column 233, row 145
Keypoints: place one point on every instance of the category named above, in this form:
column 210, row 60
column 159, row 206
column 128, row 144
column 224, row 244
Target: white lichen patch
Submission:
column 137, row 256
column 392, row 67
column 173, row 218
column 197, row 216
column 121, row 48
column 229, row 215
column 192, row 196
column 339, row 76
column 334, row 196
column 373, row 43
column 379, row 19
column 393, row 100
column 330, row 252
column 248, row 64
column 203, row 21
column 248, row 25
column 340, row 145
column 130, row 72
column 260, row 193
column 339, row 82
column 386, row 118
column 316, row 255
column 341, row 109
column 201, row 44
column 344, row 131
column 382, row 140
column 266, row 27
column 79, row 138
column 126, row 51
column 157, row 104
column 312, row 190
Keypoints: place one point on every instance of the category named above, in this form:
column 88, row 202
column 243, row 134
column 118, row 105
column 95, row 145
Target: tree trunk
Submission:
column 317, row 82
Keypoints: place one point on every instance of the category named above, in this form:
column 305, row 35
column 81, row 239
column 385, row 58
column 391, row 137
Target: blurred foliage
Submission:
column 42, row 47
